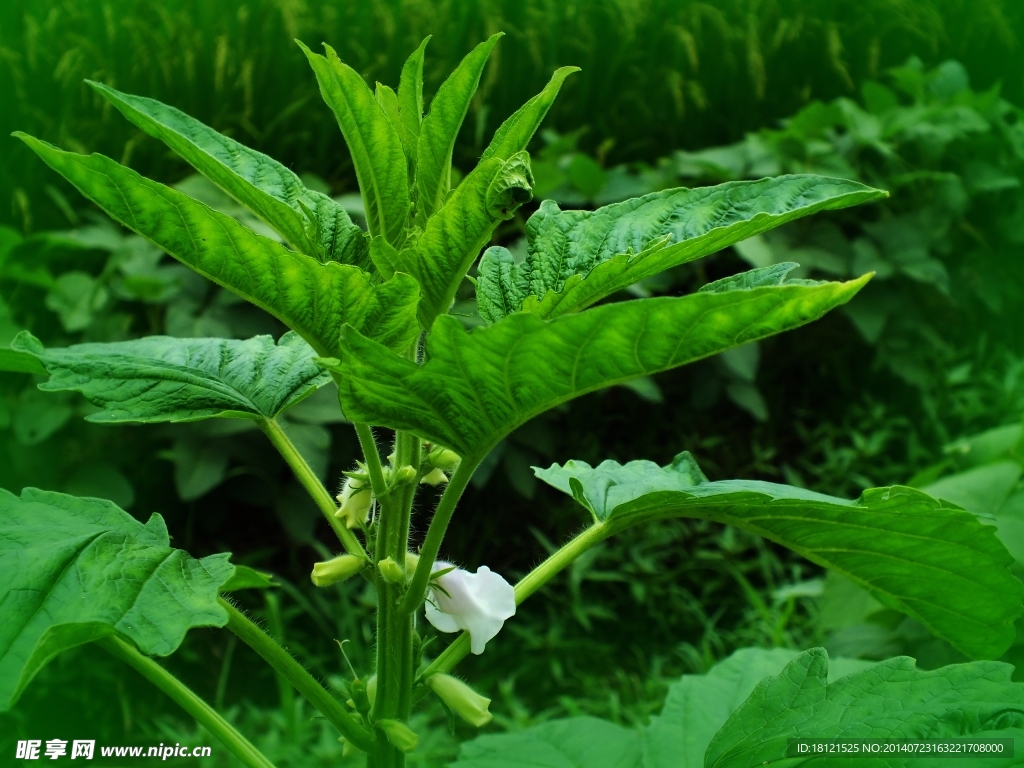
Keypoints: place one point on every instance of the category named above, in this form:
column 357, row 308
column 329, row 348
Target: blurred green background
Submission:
column 919, row 381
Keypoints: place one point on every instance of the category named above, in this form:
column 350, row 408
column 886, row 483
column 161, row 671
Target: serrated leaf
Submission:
column 410, row 99
column 515, row 133
column 698, row 705
column 575, row 258
column 478, row 386
column 162, row 378
column 312, row 222
column 454, row 235
column 313, row 299
column 440, row 128
column 78, row 569
column 373, row 141
column 891, row 700
column 923, row 557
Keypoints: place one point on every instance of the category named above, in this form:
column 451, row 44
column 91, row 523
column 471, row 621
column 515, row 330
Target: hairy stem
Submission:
column 204, row 714
column 304, row 683
column 372, row 458
column 529, row 584
column 435, row 533
column 312, row 484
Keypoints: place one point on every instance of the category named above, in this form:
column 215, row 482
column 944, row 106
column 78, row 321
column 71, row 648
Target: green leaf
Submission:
column 313, row 299
column 891, row 700
column 14, row 361
column 579, row 742
column 77, row 569
column 698, row 705
column 926, row 558
column 454, row 235
column 515, row 133
column 440, row 128
column 478, row 386
column 374, row 142
column 410, row 99
column 161, row 378
column 248, row 578
column 575, row 258
column 312, row 222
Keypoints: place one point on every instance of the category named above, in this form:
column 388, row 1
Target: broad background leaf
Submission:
column 160, row 378
column 915, row 554
column 76, row 569
column 313, row 299
column 477, row 386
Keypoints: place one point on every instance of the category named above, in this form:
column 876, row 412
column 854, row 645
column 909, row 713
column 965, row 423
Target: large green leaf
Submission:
column 574, row 258
column 698, row 705
column 313, row 299
column 477, row 386
column 160, row 378
column 441, row 127
column 373, row 141
column 410, row 99
column 312, row 222
column 920, row 556
column 891, row 700
column 454, row 235
column 578, row 742
column 77, row 569
column 515, row 133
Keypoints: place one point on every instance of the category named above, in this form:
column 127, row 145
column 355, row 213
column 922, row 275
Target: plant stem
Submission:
column 204, row 714
column 372, row 457
column 304, row 683
column 312, row 484
column 529, row 584
column 435, row 533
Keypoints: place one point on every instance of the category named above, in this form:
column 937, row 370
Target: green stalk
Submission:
column 372, row 458
column 435, row 533
column 328, row 506
column 529, row 584
column 204, row 714
column 304, row 683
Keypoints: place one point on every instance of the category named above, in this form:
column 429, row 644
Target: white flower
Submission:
column 476, row 602
column 355, row 499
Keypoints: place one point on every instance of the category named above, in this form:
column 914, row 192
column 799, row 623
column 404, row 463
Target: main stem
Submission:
column 312, row 484
column 204, row 714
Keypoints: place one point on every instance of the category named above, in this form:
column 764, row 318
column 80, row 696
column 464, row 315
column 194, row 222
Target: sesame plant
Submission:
column 371, row 311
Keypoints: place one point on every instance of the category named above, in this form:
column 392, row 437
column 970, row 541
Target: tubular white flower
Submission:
column 355, row 499
column 476, row 602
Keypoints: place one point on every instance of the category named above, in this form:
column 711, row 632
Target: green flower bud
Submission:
column 337, row 570
column 371, row 689
column 411, row 561
column 434, row 477
column 399, row 734
column 404, row 474
column 461, row 698
column 445, row 459
column 392, row 572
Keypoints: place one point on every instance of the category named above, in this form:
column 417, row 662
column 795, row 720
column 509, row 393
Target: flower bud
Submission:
column 355, row 499
column 392, row 572
column 411, row 561
column 444, row 459
column 404, row 474
column 337, row 570
column 401, row 736
column 371, row 689
column 461, row 698
column 434, row 477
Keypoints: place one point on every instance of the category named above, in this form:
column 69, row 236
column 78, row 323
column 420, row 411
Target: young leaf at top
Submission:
column 891, row 700
column 454, row 235
column 313, row 299
column 310, row 221
column 440, row 128
column 917, row 555
column 78, row 569
column 372, row 140
column 160, row 378
column 575, row 258
column 478, row 386
column 410, row 99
